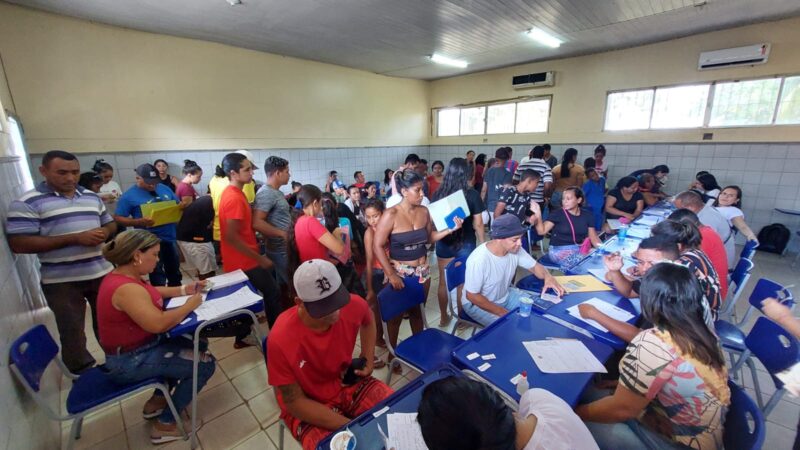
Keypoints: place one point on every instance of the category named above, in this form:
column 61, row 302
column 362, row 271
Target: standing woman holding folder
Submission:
column 408, row 229
column 462, row 242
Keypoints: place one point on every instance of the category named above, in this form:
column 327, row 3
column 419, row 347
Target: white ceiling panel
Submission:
column 393, row 37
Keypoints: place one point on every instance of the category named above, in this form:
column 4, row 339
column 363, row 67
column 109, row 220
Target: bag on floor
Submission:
column 773, row 238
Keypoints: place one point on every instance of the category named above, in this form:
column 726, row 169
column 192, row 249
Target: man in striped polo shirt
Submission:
column 65, row 225
column 537, row 163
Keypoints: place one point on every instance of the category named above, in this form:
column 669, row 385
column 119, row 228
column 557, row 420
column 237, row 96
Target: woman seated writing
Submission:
column 131, row 320
column 625, row 200
column 459, row 413
column 672, row 392
column 570, row 227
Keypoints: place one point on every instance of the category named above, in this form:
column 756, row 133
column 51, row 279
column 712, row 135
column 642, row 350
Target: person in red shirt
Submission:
column 711, row 244
column 238, row 243
column 312, row 240
column 309, row 352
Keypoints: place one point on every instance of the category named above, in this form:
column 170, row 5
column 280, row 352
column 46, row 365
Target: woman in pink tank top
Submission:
column 131, row 320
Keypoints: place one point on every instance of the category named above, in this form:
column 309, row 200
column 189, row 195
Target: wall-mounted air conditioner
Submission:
column 729, row 57
column 534, row 80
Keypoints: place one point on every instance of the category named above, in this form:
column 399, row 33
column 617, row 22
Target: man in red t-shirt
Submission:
column 310, row 349
column 238, row 240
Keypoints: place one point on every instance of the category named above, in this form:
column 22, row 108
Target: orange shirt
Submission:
column 233, row 206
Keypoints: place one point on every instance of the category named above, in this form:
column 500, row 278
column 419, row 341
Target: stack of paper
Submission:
column 174, row 302
column 227, row 279
column 563, row 356
column 404, row 432
column 606, row 308
column 581, row 283
column 214, row 308
column 639, row 232
column 648, row 221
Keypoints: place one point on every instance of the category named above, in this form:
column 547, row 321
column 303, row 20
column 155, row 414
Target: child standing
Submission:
column 374, row 271
column 595, row 191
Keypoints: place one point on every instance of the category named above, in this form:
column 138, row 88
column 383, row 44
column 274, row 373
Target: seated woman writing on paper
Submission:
column 461, row 243
column 570, row 226
column 131, row 320
column 672, row 392
column 460, row 413
column 625, row 200
column 407, row 228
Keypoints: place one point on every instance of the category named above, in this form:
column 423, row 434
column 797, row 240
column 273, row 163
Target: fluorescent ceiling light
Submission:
column 543, row 37
column 439, row 59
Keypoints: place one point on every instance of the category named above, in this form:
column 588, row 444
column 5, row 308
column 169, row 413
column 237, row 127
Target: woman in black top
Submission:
column 462, row 242
column 625, row 200
column 569, row 227
column 163, row 174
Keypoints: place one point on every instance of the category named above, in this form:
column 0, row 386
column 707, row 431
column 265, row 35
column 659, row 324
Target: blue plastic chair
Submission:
column 31, row 354
column 777, row 350
column 745, row 428
column 730, row 334
column 548, row 263
column 454, row 275
column 422, row 351
column 736, row 282
column 749, row 249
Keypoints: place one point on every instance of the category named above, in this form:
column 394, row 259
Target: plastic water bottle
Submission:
column 525, row 306
column 622, row 233
column 522, row 383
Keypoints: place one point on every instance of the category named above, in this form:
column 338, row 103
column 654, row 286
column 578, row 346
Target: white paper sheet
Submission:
column 604, row 307
column 639, row 232
column 600, row 272
column 404, row 432
column 444, row 207
column 174, row 302
column 227, row 279
column 563, row 356
column 647, row 220
column 614, row 224
column 237, row 300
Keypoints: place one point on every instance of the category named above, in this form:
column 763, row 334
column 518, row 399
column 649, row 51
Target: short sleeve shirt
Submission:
column 703, row 270
column 495, row 178
column 195, row 223
column 272, row 202
column 307, row 232
column 314, row 360
column 557, row 425
column 233, row 205
column 544, row 170
column 44, row 212
column 491, row 275
column 517, row 203
column 687, row 397
column 561, row 234
column 130, row 205
column 185, row 190
column 628, row 206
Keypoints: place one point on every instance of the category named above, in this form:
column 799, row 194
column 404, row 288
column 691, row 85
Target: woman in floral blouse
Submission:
column 672, row 391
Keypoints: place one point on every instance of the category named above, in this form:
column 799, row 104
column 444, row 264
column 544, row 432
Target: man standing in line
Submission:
column 536, row 162
column 273, row 215
column 238, row 244
column 65, row 225
column 149, row 189
column 494, row 179
column 551, row 160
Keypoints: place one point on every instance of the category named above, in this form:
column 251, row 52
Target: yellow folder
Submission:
column 162, row 213
column 582, row 283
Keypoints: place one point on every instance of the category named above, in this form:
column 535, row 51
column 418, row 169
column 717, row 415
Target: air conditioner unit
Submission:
column 730, row 57
column 533, row 80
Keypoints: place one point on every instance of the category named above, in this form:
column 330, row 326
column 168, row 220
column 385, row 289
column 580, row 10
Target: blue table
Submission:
column 194, row 328
column 504, row 338
column 405, row 400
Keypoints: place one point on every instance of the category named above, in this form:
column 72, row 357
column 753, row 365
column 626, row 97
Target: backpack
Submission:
column 773, row 238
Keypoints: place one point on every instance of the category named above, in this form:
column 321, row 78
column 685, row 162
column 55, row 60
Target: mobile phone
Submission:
column 350, row 376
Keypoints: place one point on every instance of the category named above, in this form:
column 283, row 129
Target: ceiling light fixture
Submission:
column 543, row 37
column 440, row 59
column 234, row 2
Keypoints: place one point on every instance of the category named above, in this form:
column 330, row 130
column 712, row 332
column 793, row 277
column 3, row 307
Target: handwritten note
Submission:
column 404, row 432
column 175, row 302
column 563, row 356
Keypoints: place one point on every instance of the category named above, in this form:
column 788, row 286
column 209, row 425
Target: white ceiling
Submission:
column 393, row 37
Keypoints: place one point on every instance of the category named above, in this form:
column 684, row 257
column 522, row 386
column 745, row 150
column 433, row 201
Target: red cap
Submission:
column 525, row 373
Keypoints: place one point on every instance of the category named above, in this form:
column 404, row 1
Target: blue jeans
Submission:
column 171, row 359
column 281, row 261
column 630, row 434
column 168, row 269
column 484, row 317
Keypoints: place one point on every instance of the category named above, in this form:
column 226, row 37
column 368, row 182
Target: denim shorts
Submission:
column 451, row 251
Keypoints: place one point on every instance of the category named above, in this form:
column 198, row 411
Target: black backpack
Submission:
column 773, row 238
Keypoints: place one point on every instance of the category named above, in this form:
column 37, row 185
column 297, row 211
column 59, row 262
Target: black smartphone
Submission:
column 350, row 376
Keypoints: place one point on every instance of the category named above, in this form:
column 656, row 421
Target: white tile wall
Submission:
column 22, row 423
column 769, row 174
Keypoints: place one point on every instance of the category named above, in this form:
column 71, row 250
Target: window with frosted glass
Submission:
column 629, row 110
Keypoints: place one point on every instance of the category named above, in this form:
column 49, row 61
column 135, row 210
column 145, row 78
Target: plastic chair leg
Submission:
column 773, row 402
column 395, row 362
column 281, row 428
column 756, row 385
column 75, row 432
column 175, row 413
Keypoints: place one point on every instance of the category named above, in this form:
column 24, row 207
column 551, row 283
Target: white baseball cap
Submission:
column 249, row 156
column 319, row 286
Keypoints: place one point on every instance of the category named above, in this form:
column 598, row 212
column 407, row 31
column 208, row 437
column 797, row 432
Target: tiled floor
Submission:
column 239, row 410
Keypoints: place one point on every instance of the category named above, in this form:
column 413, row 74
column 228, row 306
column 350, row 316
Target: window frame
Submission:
column 485, row 105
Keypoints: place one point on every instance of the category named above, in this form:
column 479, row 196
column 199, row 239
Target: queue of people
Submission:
column 320, row 258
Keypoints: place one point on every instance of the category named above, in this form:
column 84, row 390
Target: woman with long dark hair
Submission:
column 165, row 178
column 625, row 200
column 462, row 242
column 672, row 391
column 408, row 229
column 571, row 227
column 570, row 173
column 706, row 185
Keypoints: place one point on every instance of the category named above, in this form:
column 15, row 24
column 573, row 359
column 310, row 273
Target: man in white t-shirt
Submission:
column 491, row 268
